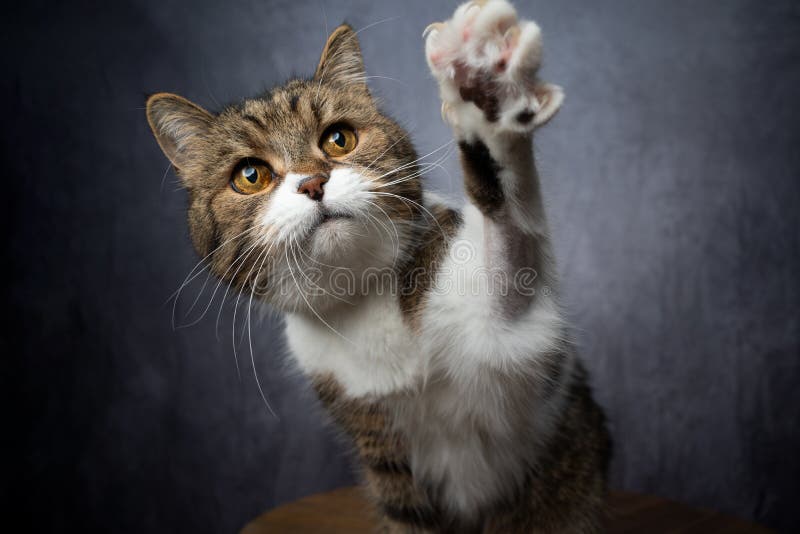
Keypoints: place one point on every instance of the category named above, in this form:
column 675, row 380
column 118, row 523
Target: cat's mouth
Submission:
column 326, row 216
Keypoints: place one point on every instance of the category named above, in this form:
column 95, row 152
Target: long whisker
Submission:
column 368, row 26
column 423, row 168
column 250, row 336
column 418, row 205
column 412, row 163
column 236, row 304
column 308, row 256
column 241, row 257
column 332, row 329
column 369, row 167
column 386, row 78
column 241, row 260
column 214, row 293
column 227, row 289
column 396, row 241
column 199, row 294
column 302, row 272
column 191, row 276
column 221, row 304
column 394, row 227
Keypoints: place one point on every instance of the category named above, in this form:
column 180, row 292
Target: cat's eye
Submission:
column 338, row 140
column 251, row 176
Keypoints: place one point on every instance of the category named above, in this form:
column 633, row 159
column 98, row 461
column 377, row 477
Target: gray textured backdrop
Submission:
column 672, row 177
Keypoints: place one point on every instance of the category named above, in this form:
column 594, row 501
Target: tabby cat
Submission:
column 432, row 334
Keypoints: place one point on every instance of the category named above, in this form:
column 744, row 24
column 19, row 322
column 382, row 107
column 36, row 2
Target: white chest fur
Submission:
column 367, row 347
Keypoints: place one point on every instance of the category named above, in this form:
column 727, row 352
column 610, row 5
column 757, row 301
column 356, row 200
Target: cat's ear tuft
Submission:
column 178, row 125
column 341, row 59
column 550, row 97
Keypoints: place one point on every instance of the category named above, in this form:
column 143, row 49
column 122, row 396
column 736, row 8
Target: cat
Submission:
column 453, row 375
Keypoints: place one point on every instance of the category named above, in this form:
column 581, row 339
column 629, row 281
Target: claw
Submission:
column 470, row 14
column 445, row 107
column 434, row 26
column 511, row 37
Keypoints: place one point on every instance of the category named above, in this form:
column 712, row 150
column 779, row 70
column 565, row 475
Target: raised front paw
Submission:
column 486, row 62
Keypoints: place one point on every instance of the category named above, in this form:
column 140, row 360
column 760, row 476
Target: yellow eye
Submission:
column 251, row 177
column 338, row 141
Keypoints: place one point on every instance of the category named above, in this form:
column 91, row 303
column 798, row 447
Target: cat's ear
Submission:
column 550, row 97
column 341, row 59
column 178, row 126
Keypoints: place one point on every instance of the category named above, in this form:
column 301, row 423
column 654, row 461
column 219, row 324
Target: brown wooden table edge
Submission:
column 347, row 510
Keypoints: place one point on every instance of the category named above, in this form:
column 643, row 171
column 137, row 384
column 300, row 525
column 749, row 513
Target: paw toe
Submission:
column 494, row 19
column 526, row 57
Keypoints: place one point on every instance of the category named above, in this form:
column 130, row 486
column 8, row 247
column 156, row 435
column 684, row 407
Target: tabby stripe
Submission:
column 481, row 176
column 316, row 103
column 418, row 275
column 255, row 120
column 387, row 466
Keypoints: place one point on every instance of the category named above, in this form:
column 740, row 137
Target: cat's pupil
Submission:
column 251, row 174
column 338, row 138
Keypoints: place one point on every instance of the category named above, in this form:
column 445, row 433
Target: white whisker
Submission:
column 310, row 307
column 297, row 263
column 236, row 304
column 417, row 204
column 191, row 276
column 250, row 336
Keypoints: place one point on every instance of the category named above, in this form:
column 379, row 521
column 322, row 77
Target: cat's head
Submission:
column 290, row 190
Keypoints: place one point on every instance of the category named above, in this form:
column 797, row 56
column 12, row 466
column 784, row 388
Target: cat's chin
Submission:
column 335, row 239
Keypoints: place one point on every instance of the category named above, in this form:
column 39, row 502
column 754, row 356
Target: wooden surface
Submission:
column 346, row 511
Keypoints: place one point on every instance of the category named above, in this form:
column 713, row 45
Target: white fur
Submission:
column 481, row 361
column 293, row 214
column 366, row 347
column 464, row 325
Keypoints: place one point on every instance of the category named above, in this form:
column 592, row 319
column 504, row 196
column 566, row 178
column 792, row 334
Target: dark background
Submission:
column 673, row 183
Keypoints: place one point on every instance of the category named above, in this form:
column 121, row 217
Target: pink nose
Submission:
column 312, row 186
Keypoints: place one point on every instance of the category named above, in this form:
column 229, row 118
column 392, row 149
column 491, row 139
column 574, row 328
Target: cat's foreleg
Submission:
column 486, row 62
column 404, row 507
